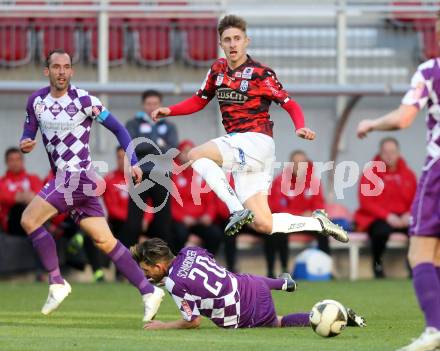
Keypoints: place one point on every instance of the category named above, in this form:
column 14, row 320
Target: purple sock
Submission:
column 295, row 320
column 125, row 264
column 46, row 249
column 273, row 284
column 427, row 287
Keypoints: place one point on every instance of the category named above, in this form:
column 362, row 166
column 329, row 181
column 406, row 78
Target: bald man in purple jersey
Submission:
column 424, row 247
column 200, row 287
column 64, row 115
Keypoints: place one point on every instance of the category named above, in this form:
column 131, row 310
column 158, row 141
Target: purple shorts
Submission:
column 76, row 193
column 256, row 304
column 425, row 211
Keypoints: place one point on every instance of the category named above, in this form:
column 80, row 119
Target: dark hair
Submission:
column 151, row 251
column 151, row 92
column 56, row 51
column 231, row 21
column 389, row 139
column 11, row 150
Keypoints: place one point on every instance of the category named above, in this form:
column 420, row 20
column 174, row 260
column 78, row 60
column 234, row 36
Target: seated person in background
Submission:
column 297, row 192
column 198, row 210
column 229, row 300
column 17, row 189
column 388, row 212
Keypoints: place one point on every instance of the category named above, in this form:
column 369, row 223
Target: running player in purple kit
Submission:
column 64, row 114
column 200, row 287
column 424, row 245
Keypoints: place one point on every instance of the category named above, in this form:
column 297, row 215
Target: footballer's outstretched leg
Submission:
column 284, row 282
column 429, row 340
column 238, row 220
column 99, row 231
column 57, row 294
column 355, row 320
column 329, row 228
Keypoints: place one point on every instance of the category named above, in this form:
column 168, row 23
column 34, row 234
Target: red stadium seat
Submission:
column 16, row 44
column 200, row 41
column 117, row 42
column 426, row 28
column 405, row 16
column 58, row 33
column 152, row 40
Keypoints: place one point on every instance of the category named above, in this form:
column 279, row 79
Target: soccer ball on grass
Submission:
column 328, row 318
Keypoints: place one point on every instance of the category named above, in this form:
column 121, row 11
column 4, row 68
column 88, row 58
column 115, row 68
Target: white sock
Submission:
column 216, row 179
column 287, row 223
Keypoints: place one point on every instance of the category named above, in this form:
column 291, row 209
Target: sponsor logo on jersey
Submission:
column 219, row 80
column 186, row 308
column 244, row 85
column 273, row 87
column 71, row 109
column 418, row 91
column 39, row 108
column 247, row 73
column 206, row 79
column 96, row 111
column 230, row 95
column 55, row 109
column 145, row 128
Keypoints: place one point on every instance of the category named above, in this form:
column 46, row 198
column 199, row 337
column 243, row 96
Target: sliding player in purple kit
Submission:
column 245, row 90
column 200, row 287
column 424, row 245
column 64, row 114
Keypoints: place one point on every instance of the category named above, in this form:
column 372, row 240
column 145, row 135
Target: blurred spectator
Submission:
column 387, row 212
column 198, row 210
column 162, row 135
column 300, row 195
column 116, row 199
column 17, row 189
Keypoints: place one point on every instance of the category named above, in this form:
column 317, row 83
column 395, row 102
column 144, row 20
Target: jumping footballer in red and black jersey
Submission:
column 245, row 89
column 245, row 95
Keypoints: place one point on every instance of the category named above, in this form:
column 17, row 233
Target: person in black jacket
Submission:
column 162, row 136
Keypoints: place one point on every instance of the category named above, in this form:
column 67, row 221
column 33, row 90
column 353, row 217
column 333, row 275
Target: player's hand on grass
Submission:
column 27, row 145
column 364, row 127
column 305, row 133
column 136, row 173
column 154, row 325
column 159, row 113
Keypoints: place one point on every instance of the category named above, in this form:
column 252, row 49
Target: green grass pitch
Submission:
column 108, row 317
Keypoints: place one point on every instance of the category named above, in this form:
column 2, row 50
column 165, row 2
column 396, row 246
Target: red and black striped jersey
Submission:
column 244, row 95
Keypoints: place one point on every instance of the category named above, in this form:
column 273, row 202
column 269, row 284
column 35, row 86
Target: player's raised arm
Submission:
column 93, row 108
column 414, row 100
column 193, row 104
column 186, row 107
column 273, row 89
column 30, row 128
column 112, row 123
column 400, row 118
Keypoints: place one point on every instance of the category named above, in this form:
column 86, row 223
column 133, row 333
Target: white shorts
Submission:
column 250, row 157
